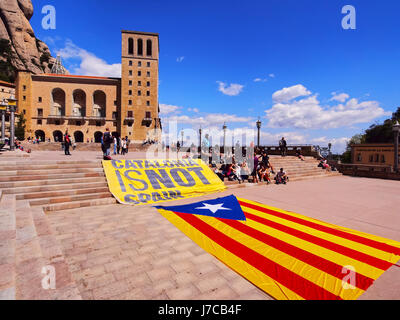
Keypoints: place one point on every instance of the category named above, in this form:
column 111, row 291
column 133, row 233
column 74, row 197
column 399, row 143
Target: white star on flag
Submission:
column 213, row 207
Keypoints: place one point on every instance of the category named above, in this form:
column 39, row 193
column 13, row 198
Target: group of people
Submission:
column 121, row 145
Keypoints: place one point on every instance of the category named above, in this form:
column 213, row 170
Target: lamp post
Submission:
column 224, row 128
column 3, row 109
column 396, row 130
column 259, row 123
column 12, row 104
column 182, row 138
column 200, row 131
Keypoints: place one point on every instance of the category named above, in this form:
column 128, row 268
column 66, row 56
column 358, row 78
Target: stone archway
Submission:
column 97, row 137
column 58, row 136
column 40, row 134
column 78, row 137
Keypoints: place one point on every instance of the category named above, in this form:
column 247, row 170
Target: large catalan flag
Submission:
column 287, row 255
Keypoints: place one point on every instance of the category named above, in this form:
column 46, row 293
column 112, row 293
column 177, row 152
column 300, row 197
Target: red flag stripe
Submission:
column 303, row 287
column 356, row 238
column 320, row 263
column 354, row 254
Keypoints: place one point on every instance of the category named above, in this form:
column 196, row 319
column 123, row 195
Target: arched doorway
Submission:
column 40, row 134
column 97, row 137
column 78, row 137
column 58, row 136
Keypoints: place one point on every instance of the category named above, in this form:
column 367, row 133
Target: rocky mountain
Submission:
column 19, row 48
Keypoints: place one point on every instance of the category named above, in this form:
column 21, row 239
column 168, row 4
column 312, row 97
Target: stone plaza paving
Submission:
column 123, row 252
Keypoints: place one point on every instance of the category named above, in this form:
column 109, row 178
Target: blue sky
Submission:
column 289, row 62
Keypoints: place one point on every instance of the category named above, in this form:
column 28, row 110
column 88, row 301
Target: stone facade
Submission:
column 86, row 106
column 373, row 154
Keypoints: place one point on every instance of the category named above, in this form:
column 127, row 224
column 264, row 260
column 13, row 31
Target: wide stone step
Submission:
column 69, row 198
column 26, row 167
column 67, row 186
column 79, row 204
column 52, row 176
column 52, row 182
column 61, row 193
column 45, row 162
column 53, row 171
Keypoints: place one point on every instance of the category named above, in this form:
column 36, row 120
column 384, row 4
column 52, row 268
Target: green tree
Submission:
column 7, row 70
column 20, row 128
column 356, row 139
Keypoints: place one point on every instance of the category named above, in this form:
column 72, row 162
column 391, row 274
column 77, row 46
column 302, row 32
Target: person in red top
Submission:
column 67, row 143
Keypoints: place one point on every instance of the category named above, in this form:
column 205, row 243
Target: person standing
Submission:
column 283, row 147
column 123, row 146
column 67, row 143
column 127, row 142
column 107, row 139
column 115, row 146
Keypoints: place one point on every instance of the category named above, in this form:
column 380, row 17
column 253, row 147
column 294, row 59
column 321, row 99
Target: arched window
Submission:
column 58, row 102
column 149, row 48
column 79, row 103
column 99, row 104
column 130, row 46
column 140, row 47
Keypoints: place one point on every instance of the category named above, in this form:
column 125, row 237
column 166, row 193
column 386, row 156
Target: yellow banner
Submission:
column 140, row 182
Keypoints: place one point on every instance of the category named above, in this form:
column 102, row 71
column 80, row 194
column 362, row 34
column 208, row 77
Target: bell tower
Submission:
column 139, row 85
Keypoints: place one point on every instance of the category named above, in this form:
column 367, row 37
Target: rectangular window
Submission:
column 359, row 158
column 24, row 98
column 371, row 158
column 24, row 88
column 130, row 83
column 130, row 114
column 78, row 124
column 139, row 73
column 139, row 63
column 130, row 72
column 148, row 115
column 130, row 63
column 98, row 124
column 40, row 99
column 148, row 64
column 148, row 73
column 148, row 103
column 148, row 83
column 39, row 122
column 139, row 83
column 130, row 92
column 130, row 102
column 377, row 158
column 139, row 93
column 383, row 160
column 115, row 115
column 148, row 93
column 40, row 112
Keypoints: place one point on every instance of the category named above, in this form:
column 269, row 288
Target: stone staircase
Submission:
column 300, row 170
column 28, row 246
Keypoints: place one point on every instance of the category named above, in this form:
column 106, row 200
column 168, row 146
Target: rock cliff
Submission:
column 19, row 48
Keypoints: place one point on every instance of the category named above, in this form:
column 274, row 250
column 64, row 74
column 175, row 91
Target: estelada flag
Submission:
column 287, row 255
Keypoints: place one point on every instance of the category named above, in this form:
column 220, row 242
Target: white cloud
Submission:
column 180, row 59
column 341, row 97
column 307, row 113
column 90, row 64
column 195, row 110
column 166, row 109
column 271, row 75
column 208, row 120
column 232, row 90
column 338, row 144
column 260, row 80
column 287, row 94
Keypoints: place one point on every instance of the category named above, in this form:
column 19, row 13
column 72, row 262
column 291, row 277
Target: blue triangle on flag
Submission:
column 224, row 208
